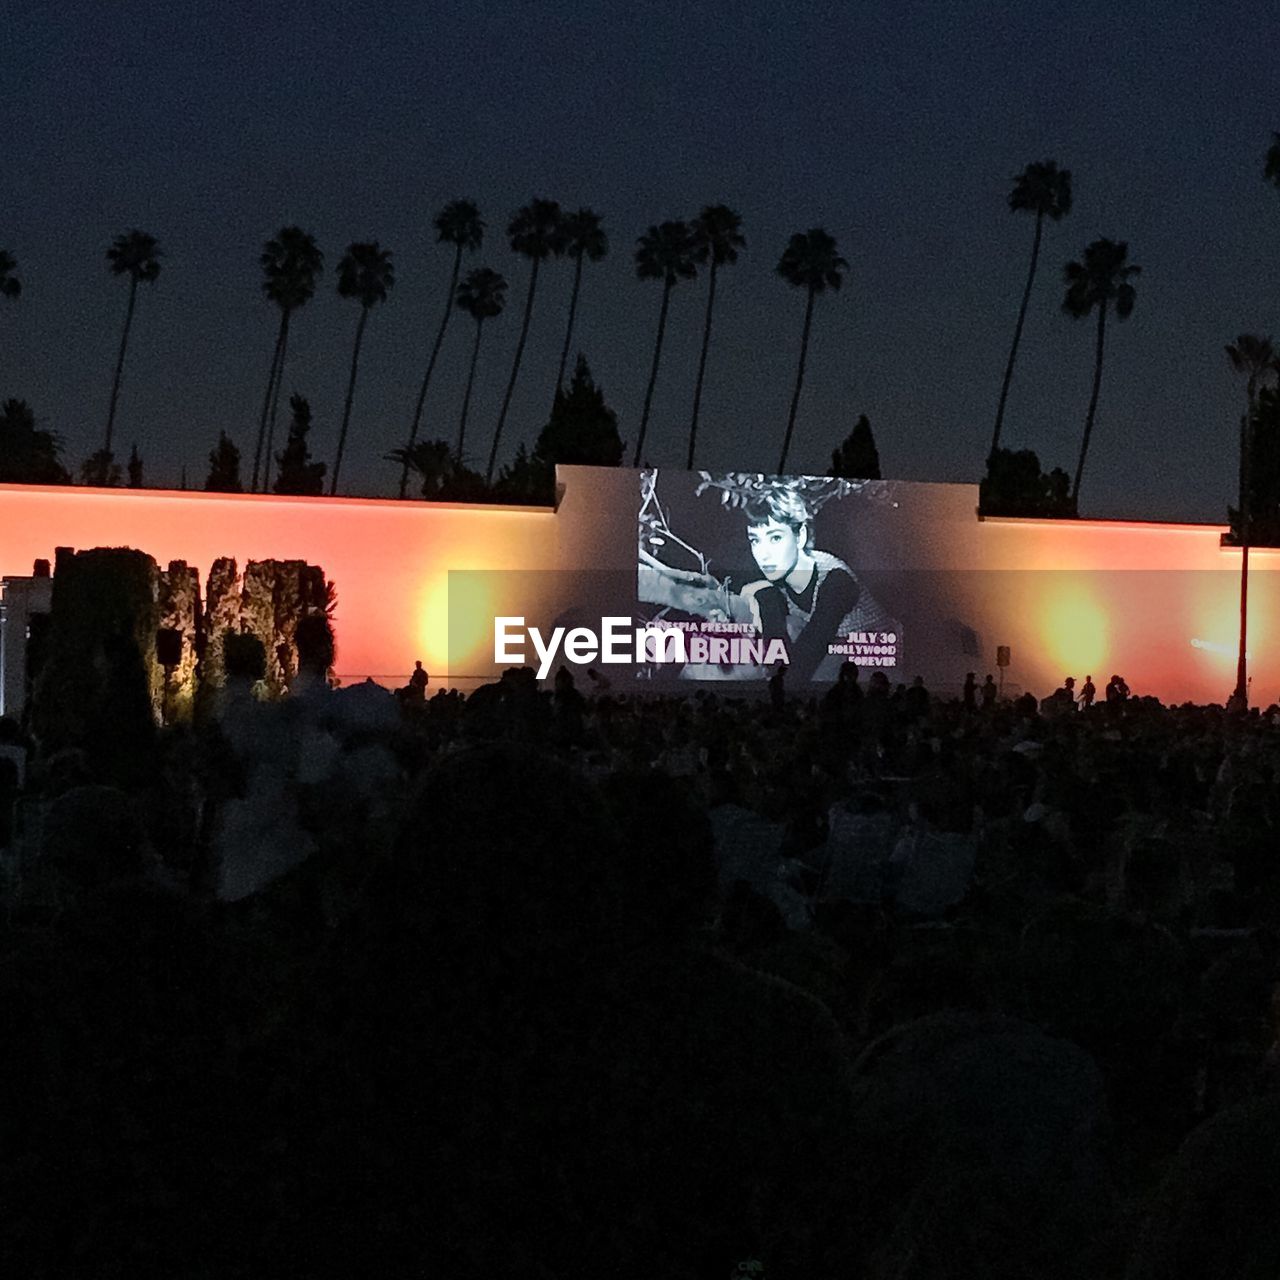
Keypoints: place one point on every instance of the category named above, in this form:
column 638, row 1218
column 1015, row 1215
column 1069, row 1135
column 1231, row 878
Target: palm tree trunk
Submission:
column 275, row 405
column 1242, row 673
column 653, row 373
column 1093, row 405
column 1017, row 335
column 466, row 397
column 266, row 405
column 568, row 333
column 515, row 369
column 431, row 364
column 124, row 345
column 702, row 363
column 351, row 390
column 1244, row 438
column 795, row 395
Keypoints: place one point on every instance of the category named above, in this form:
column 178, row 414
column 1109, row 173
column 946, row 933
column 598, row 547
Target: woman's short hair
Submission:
column 785, row 506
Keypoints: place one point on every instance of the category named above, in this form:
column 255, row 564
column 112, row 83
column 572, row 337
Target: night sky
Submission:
column 896, row 126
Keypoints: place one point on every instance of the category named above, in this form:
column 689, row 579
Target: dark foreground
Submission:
column 542, row 987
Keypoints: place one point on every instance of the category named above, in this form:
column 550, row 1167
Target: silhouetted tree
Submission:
column 1262, row 501
column 809, row 262
column 1099, row 281
column 857, row 457
column 717, row 237
column 1045, row 190
column 296, row 473
column 1271, row 166
column 365, row 274
column 135, row 467
column 224, row 467
column 10, row 285
column 582, row 430
column 536, row 232
column 290, row 264
column 1255, row 357
column 136, row 255
column 584, row 238
column 443, row 478
column 27, row 456
column 528, row 480
column 482, row 295
column 1015, row 486
column 459, row 224
column 101, row 470
column 663, row 253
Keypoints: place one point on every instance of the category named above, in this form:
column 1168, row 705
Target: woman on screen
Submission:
column 806, row 597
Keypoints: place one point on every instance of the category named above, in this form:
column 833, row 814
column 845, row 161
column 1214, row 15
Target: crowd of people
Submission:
column 562, row 978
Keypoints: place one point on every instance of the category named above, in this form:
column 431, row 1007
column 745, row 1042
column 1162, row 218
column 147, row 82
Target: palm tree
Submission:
column 365, row 274
column 809, row 262
column 136, row 255
column 536, row 232
column 460, row 225
column 663, row 253
column 10, row 285
column 1045, row 190
column 482, row 295
column 290, row 264
column 1101, row 279
column 1254, row 357
column 584, row 238
column 717, row 237
column 1271, row 171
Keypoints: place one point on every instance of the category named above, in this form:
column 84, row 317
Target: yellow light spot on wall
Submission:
column 456, row 627
column 1218, row 614
column 433, row 625
column 1074, row 627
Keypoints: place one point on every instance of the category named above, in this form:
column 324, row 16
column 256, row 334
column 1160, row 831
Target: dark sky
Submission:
column 897, row 126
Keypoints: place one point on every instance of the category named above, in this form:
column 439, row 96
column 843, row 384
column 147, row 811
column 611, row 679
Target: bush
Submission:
column 1015, row 486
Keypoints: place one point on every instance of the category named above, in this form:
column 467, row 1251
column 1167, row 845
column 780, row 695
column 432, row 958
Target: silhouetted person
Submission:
column 777, row 692
column 915, row 700
column 1027, row 705
column 567, row 706
column 418, row 681
column 1087, row 693
column 989, row 692
column 848, row 678
column 970, row 694
column 1117, row 691
column 8, row 795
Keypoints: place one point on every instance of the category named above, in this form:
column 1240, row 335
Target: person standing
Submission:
column 1087, row 693
column 989, row 693
column 777, row 691
column 970, row 694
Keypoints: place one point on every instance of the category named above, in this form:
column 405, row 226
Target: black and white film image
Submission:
column 759, row 569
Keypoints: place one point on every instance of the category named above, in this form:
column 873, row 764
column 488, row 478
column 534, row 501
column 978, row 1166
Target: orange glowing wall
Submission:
column 389, row 559
column 1158, row 603
column 1069, row 597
